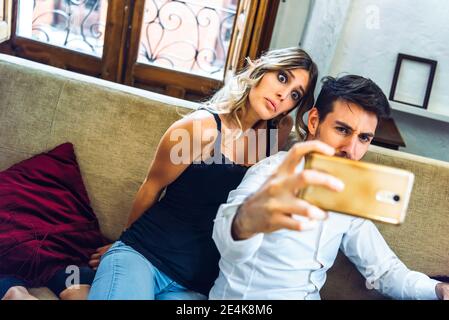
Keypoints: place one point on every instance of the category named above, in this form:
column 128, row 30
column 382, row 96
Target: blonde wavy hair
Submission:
column 233, row 97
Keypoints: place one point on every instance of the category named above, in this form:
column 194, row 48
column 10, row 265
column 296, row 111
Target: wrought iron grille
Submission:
column 75, row 24
column 188, row 35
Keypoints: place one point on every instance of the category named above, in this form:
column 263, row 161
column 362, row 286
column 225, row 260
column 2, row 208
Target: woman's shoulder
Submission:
column 199, row 119
column 198, row 128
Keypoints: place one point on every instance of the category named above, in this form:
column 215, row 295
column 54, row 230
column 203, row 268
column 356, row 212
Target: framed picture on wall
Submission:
column 413, row 80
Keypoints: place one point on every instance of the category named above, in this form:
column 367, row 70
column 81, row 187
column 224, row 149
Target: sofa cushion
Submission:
column 46, row 221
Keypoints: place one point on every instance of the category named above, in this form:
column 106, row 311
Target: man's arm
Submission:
column 225, row 234
column 366, row 248
column 266, row 201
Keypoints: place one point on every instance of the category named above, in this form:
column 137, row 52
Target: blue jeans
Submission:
column 125, row 274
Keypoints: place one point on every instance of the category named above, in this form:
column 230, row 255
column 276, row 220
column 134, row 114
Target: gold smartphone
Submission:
column 371, row 191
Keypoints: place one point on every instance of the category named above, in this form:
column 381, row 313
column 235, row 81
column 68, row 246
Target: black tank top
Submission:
column 175, row 234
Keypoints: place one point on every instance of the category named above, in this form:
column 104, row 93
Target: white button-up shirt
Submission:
column 292, row 265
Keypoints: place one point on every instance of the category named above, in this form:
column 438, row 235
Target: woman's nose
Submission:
column 283, row 94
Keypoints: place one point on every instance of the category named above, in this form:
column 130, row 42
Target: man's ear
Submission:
column 313, row 121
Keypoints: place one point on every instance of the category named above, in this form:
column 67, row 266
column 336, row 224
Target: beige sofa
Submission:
column 115, row 130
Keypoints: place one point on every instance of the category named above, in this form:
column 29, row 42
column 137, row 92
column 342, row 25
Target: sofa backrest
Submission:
column 115, row 130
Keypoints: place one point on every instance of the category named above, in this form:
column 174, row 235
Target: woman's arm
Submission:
column 161, row 173
column 173, row 155
column 167, row 165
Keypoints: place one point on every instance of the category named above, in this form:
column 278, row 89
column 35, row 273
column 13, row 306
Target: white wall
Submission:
column 289, row 24
column 324, row 31
column 364, row 37
column 376, row 31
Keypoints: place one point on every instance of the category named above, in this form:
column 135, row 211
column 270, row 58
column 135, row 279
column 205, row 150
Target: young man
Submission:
column 262, row 255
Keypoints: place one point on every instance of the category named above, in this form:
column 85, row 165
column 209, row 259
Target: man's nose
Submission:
column 349, row 149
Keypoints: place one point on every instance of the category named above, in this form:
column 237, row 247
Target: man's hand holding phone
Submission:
column 272, row 207
column 373, row 191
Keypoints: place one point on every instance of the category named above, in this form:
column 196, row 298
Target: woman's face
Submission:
column 278, row 92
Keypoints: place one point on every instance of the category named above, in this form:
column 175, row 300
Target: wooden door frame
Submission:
column 263, row 27
column 257, row 33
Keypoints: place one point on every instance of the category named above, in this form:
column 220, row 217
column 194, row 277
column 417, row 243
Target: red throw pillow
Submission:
column 46, row 221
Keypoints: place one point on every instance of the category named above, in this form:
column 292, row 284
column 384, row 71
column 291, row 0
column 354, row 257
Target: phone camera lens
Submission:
column 396, row 198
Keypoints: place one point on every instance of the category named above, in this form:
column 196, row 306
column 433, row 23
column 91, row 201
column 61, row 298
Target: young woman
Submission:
column 166, row 250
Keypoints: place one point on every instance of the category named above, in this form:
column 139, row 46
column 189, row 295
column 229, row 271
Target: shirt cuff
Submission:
column 425, row 289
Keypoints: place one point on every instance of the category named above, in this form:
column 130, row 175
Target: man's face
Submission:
column 348, row 128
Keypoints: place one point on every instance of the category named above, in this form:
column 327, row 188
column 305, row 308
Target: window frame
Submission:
column 106, row 67
column 258, row 29
column 5, row 23
column 122, row 36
